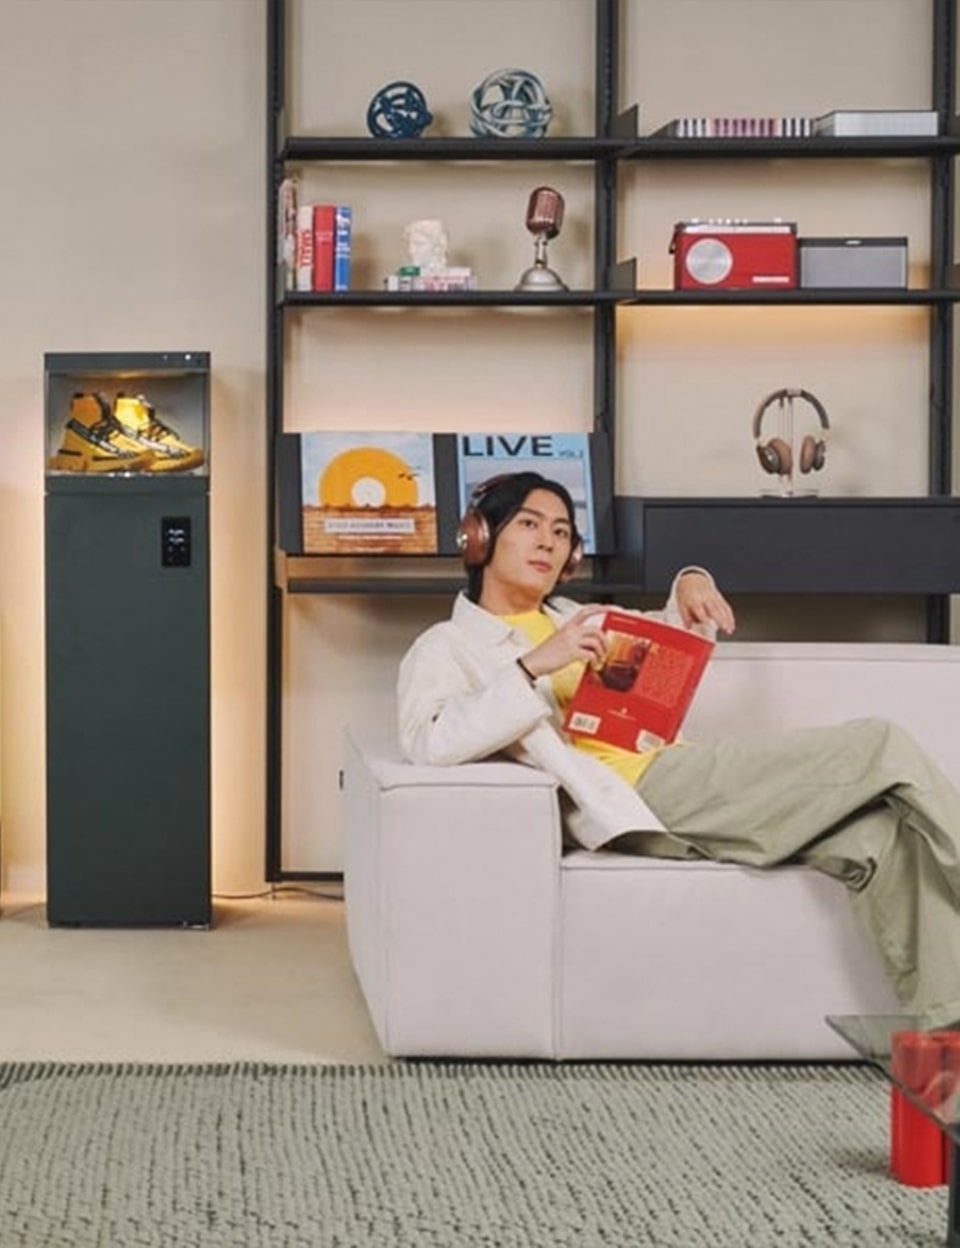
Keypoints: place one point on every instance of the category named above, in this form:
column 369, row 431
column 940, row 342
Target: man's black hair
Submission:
column 500, row 502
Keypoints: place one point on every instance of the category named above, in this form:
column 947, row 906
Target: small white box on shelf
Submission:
column 878, row 123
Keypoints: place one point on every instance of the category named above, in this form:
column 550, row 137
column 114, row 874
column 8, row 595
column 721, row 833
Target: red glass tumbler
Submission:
column 916, row 1142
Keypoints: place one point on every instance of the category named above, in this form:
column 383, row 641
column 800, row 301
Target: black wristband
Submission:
column 526, row 671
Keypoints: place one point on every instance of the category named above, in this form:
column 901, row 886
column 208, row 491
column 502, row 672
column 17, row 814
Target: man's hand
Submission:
column 579, row 639
column 700, row 602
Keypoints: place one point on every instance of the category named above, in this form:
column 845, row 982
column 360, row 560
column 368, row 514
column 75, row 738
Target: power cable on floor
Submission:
column 276, row 890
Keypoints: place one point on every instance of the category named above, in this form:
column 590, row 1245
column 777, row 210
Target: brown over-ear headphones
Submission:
column 776, row 454
column 475, row 541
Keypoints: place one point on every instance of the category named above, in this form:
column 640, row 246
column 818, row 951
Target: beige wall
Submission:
column 132, row 217
column 132, row 214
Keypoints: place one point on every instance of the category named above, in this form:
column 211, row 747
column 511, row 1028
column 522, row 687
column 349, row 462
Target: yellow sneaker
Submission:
column 94, row 442
column 138, row 420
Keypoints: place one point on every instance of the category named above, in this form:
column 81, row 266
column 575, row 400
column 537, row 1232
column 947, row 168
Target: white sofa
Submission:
column 472, row 935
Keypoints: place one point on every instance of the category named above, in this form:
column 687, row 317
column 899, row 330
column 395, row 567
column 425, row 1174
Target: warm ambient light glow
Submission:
column 830, row 327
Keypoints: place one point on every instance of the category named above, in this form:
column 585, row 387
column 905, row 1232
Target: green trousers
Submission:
column 859, row 801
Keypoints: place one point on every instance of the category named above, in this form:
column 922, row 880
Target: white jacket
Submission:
column 462, row 697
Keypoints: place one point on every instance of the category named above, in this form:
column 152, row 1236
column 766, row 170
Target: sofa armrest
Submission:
column 451, row 878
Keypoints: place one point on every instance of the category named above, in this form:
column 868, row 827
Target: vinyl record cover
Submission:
column 563, row 457
column 368, row 493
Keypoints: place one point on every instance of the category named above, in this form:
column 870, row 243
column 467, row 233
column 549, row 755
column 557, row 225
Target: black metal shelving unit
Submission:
column 862, row 545
column 601, row 149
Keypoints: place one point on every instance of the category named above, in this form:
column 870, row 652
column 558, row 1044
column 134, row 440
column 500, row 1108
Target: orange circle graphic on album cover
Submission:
column 367, row 476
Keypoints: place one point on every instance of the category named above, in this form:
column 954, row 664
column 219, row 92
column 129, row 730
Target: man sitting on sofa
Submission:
column 859, row 801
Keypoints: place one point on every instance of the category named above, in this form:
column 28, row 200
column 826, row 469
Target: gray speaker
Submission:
column 858, row 262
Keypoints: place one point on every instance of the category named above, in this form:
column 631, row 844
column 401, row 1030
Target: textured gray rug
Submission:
column 428, row 1155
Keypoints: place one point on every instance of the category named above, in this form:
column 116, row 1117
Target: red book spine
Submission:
column 324, row 216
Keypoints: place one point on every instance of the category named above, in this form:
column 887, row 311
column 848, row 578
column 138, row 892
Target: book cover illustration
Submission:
column 638, row 697
column 563, row 457
column 368, row 493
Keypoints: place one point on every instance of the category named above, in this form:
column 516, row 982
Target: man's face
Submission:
column 532, row 547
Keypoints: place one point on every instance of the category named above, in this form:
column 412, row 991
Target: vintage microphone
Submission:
column 544, row 219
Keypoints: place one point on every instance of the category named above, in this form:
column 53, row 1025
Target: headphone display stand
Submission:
column 788, row 490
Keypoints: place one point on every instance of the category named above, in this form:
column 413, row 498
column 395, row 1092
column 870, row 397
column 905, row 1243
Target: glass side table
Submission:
column 880, row 1039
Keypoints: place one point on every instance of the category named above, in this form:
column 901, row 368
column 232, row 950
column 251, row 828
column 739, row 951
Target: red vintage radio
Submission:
column 734, row 255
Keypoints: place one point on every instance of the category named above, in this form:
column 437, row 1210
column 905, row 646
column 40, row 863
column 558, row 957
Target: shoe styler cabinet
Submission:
column 127, row 639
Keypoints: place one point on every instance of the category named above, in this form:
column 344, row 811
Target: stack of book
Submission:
column 845, row 123
column 314, row 242
column 450, row 277
column 736, row 128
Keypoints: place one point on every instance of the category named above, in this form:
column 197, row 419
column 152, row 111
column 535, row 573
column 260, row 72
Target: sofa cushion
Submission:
column 696, row 959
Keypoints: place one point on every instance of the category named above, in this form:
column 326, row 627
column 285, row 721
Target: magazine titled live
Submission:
column 638, row 697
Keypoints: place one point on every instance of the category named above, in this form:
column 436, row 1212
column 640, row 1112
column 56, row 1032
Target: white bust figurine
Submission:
column 426, row 245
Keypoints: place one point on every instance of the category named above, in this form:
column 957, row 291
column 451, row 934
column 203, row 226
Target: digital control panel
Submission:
column 175, row 542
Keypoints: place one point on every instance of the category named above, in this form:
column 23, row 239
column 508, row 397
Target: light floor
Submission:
column 271, row 981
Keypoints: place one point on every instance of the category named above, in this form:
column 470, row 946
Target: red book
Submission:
column 638, row 697
column 324, row 216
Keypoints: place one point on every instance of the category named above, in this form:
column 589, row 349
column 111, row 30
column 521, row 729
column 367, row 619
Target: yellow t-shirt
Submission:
column 627, row 763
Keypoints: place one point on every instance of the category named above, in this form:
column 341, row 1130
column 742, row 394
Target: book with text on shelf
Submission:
column 342, row 246
column 303, row 248
column 638, row 697
column 324, row 217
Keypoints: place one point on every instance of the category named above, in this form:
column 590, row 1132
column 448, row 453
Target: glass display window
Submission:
column 126, row 414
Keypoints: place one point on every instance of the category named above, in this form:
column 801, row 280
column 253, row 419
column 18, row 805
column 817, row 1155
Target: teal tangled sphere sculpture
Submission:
column 510, row 104
column 398, row 111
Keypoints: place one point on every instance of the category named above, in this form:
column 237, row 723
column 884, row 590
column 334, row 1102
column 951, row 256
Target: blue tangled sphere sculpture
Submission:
column 398, row 111
column 510, row 104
